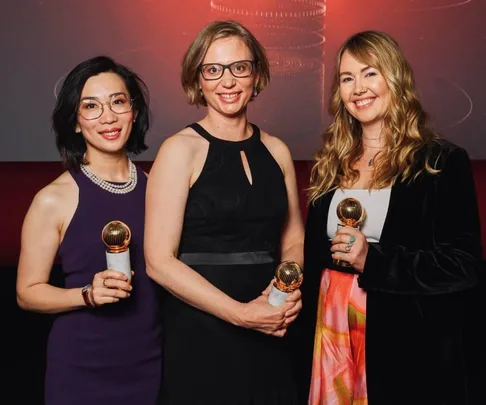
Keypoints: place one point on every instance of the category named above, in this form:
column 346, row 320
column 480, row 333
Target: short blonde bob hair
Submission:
column 197, row 51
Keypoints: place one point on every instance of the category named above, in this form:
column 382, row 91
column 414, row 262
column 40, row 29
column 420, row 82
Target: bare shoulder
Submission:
column 274, row 144
column 56, row 192
column 278, row 148
column 52, row 200
column 185, row 142
column 180, row 154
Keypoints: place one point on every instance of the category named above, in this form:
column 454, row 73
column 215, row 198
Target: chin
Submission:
column 370, row 121
column 114, row 147
column 234, row 110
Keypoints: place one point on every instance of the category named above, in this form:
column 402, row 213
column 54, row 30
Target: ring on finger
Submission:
column 104, row 283
column 348, row 247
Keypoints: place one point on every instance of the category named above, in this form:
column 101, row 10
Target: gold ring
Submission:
column 104, row 283
column 348, row 247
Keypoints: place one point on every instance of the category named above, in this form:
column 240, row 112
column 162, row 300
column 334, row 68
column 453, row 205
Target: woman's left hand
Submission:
column 350, row 245
column 295, row 296
column 291, row 314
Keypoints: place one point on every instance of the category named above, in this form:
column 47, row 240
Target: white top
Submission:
column 375, row 204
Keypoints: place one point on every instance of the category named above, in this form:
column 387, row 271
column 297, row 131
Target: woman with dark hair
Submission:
column 69, row 139
column 104, row 346
column 222, row 212
column 387, row 303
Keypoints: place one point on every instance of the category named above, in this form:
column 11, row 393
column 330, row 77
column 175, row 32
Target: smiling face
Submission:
column 364, row 91
column 228, row 95
column 110, row 131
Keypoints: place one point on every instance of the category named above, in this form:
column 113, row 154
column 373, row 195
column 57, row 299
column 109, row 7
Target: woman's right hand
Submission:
column 109, row 286
column 263, row 317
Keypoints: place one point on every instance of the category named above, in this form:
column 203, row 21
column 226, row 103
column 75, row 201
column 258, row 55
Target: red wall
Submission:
column 21, row 180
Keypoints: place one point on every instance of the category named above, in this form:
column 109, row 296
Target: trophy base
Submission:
column 342, row 263
column 121, row 262
column 276, row 297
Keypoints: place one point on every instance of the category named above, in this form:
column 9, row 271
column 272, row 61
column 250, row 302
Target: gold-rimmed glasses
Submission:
column 91, row 108
column 239, row 69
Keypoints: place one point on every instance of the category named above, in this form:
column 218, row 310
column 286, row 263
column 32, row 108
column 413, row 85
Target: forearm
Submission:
column 294, row 253
column 189, row 286
column 47, row 299
column 396, row 269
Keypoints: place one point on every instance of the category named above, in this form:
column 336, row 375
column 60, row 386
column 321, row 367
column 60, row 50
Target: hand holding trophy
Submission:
column 288, row 277
column 351, row 213
column 116, row 235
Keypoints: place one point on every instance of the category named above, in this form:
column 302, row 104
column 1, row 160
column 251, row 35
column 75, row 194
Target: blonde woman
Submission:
column 222, row 212
column 388, row 328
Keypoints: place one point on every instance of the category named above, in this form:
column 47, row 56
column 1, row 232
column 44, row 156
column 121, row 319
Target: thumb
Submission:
column 266, row 291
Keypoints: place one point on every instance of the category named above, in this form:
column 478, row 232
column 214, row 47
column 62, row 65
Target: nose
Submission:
column 107, row 116
column 228, row 80
column 359, row 87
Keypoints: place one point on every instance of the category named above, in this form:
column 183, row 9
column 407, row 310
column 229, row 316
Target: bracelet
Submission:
column 85, row 293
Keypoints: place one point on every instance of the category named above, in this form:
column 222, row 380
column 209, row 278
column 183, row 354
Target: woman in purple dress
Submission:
column 104, row 346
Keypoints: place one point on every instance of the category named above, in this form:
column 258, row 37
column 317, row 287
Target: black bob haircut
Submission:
column 71, row 145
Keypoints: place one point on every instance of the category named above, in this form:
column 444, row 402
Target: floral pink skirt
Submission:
column 338, row 370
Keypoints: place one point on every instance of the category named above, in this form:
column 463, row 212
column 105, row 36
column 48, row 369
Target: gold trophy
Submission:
column 116, row 235
column 288, row 277
column 351, row 213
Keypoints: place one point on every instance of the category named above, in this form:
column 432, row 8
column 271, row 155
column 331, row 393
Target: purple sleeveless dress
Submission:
column 111, row 354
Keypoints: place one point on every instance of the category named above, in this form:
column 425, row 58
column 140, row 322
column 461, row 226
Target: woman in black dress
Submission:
column 222, row 212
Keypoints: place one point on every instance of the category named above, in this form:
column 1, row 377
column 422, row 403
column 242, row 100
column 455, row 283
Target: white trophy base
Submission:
column 120, row 262
column 276, row 297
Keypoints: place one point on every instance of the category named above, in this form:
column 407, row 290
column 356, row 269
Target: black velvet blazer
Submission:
column 419, row 280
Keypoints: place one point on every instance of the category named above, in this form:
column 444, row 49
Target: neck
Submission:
column 228, row 128
column 109, row 166
column 372, row 136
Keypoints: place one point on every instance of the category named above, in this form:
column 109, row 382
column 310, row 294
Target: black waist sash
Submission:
column 259, row 257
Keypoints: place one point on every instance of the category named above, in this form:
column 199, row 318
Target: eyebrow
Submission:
column 227, row 64
column 350, row 74
column 97, row 98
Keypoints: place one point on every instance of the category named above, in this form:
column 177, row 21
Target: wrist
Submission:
column 238, row 314
column 86, row 294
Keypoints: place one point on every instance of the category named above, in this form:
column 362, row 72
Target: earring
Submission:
column 201, row 93
column 255, row 92
column 350, row 120
column 134, row 121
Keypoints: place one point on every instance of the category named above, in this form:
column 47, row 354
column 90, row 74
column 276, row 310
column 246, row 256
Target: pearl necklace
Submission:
column 110, row 187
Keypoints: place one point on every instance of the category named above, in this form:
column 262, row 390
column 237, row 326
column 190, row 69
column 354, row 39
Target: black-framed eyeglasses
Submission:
column 239, row 69
column 92, row 108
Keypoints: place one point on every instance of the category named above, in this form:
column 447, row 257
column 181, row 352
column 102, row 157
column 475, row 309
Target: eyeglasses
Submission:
column 92, row 108
column 214, row 71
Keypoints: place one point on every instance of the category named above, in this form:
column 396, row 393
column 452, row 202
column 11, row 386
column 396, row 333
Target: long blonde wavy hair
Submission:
column 405, row 129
